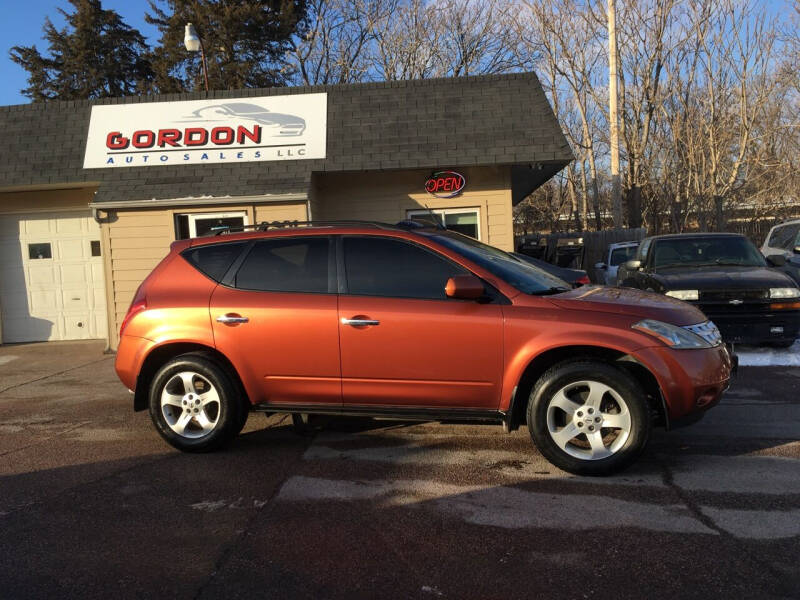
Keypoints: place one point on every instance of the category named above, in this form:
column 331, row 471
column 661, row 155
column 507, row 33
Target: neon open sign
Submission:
column 445, row 184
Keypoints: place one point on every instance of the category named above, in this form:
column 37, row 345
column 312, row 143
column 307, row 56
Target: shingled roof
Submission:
column 430, row 123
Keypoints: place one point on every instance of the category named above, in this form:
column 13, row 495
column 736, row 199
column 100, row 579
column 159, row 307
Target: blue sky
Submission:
column 22, row 21
column 21, row 25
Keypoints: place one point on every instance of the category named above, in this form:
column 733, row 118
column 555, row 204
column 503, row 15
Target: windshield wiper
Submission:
column 550, row 291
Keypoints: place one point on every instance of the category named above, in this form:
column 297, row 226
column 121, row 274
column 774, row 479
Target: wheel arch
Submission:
column 159, row 355
column 540, row 363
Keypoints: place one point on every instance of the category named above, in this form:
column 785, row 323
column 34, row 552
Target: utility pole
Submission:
column 616, row 184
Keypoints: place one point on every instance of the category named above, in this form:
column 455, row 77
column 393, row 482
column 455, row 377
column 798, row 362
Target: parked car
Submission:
column 412, row 323
column 618, row 253
column 574, row 277
column 725, row 276
column 782, row 239
column 791, row 267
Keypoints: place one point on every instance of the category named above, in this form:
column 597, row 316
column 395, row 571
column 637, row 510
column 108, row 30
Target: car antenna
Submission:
column 435, row 218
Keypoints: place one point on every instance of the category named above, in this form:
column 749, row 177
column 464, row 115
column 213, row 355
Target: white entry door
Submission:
column 51, row 277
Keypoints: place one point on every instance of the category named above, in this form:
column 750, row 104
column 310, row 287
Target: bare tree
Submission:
column 338, row 45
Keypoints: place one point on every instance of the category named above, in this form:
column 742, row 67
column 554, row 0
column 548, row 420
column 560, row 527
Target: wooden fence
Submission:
column 595, row 246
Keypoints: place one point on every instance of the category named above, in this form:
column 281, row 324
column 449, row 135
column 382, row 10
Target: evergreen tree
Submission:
column 245, row 42
column 95, row 55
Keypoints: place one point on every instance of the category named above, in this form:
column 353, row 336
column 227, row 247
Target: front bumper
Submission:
column 691, row 381
column 755, row 327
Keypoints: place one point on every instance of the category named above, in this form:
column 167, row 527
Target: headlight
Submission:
column 786, row 292
column 672, row 335
column 684, row 294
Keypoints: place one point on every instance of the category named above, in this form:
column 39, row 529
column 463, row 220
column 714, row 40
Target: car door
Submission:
column 403, row 342
column 275, row 318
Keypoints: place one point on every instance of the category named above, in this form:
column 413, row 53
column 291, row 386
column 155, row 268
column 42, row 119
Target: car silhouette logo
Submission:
column 736, row 302
column 276, row 124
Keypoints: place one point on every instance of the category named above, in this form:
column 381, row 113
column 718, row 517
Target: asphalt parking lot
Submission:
column 94, row 504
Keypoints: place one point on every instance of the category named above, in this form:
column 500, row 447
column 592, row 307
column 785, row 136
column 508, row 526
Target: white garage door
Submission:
column 51, row 277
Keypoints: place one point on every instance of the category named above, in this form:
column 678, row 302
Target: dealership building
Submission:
column 92, row 193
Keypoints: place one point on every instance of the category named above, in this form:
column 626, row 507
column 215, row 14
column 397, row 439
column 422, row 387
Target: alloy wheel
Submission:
column 190, row 405
column 588, row 420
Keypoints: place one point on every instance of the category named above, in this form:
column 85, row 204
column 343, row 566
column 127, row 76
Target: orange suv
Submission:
column 410, row 322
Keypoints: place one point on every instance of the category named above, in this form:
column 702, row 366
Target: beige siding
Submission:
column 46, row 200
column 281, row 211
column 138, row 240
column 388, row 197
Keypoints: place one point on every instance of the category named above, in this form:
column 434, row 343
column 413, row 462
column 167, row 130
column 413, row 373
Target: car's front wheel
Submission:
column 589, row 417
column 194, row 404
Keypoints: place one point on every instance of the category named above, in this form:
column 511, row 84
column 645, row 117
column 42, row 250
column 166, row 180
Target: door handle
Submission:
column 232, row 319
column 356, row 322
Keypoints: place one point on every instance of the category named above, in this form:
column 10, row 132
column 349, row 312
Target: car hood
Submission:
column 727, row 277
column 626, row 301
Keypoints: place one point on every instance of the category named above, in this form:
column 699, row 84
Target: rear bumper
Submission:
column 130, row 356
column 756, row 327
column 691, row 381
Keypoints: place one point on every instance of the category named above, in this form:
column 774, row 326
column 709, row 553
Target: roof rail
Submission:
column 265, row 225
column 420, row 222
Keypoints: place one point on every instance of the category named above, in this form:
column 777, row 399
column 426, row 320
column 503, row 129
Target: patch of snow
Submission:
column 427, row 589
column 752, row 356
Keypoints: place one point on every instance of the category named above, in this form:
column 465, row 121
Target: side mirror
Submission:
column 600, row 266
column 633, row 265
column 776, row 260
column 465, row 287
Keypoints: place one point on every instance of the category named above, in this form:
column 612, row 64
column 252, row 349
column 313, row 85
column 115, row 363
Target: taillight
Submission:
column 583, row 280
column 138, row 304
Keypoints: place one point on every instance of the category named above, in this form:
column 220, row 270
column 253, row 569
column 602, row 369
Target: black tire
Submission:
column 226, row 411
column 301, row 423
column 622, row 450
column 244, row 413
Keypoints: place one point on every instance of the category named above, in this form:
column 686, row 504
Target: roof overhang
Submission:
column 201, row 201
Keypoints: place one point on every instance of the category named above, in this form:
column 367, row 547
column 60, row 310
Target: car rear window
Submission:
column 215, row 259
column 286, row 265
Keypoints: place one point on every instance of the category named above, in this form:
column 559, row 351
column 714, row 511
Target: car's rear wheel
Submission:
column 194, row 404
column 589, row 417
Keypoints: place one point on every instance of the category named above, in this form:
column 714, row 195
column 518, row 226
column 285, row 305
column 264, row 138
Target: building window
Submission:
column 37, row 251
column 197, row 224
column 95, row 247
column 462, row 220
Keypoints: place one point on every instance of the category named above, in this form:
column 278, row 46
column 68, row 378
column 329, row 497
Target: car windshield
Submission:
column 621, row 255
column 523, row 276
column 706, row 251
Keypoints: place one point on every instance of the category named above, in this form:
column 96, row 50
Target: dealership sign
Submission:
column 207, row 131
column 445, row 184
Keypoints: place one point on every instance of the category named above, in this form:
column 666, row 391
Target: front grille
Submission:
column 708, row 331
column 728, row 295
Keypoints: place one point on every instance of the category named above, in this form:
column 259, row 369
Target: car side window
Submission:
column 784, row 237
column 214, row 259
column 286, row 265
column 376, row 266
